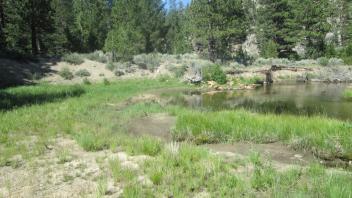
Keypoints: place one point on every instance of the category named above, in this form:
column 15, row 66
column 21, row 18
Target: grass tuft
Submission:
column 92, row 142
column 348, row 94
column 322, row 136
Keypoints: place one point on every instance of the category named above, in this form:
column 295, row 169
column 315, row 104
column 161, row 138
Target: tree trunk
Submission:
column 211, row 49
column 34, row 39
column 34, row 36
column 211, row 39
column 2, row 15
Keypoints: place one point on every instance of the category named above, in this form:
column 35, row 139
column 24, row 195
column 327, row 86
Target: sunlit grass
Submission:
column 193, row 170
column 325, row 137
column 176, row 169
column 44, row 111
column 348, row 94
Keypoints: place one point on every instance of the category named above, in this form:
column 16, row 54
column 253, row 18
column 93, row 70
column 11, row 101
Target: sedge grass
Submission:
column 348, row 94
column 178, row 169
column 325, row 137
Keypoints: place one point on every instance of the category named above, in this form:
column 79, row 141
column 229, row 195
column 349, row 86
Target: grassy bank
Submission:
column 184, row 170
column 324, row 137
column 33, row 117
column 348, row 94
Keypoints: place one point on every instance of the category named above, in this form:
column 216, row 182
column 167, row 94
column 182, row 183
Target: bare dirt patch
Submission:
column 65, row 170
column 97, row 70
column 281, row 156
column 157, row 125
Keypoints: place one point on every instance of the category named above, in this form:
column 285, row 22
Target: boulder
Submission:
column 119, row 72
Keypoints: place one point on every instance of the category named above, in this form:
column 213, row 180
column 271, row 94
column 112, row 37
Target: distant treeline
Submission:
column 214, row 28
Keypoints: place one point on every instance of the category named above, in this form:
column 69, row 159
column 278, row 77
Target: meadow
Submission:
column 348, row 94
column 32, row 117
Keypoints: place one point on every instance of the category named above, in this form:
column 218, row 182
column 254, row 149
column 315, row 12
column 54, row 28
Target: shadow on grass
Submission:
column 15, row 72
column 26, row 96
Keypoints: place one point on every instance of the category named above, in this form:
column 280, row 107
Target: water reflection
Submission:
column 297, row 99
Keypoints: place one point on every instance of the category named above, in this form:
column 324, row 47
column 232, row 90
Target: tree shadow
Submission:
column 11, row 99
column 24, row 72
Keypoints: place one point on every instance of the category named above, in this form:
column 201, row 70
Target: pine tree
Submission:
column 58, row 38
column 2, row 26
column 152, row 24
column 90, row 24
column 138, row 26
column 277, row 27
column 218, row 24
column 17, row 38
column 30, row 27
column 312, row 16
column 176, row 21
column 124, row 21
column 251, row 11
column 345, row 16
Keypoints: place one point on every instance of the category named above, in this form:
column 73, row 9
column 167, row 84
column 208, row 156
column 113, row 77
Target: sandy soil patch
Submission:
column 66, row 170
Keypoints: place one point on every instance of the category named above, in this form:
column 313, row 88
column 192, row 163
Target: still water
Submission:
column 298, row 99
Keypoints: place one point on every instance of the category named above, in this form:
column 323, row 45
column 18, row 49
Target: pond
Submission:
column 297, row 99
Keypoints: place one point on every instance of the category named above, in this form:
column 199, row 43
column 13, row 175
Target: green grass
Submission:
column 64, row 156
column 322, row 136
column 102, row 187
column 191, row 170
column 348, row 94
column 85, row 112
column 36, row 95
column 121, row 174
column 32, row 116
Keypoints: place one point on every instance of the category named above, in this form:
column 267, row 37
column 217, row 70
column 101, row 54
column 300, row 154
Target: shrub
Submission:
column 247, row 81
column 97, row 56
column 179, row 71
column 147, row 61
column 269, row 50
column 235, row 65
column 214, row 73
column 347, row 60
column 110, row 66
column 163, row 78
column 335, row 62
column 106, row 81
column 82, row 73
column 348, row 50
column 263, row 61
column 243, row 58
column 86, row 81
column 119, row 72
column 66, row 73
column 306, row 62
column 73, row 58
column 323, row 61
column 330, row 51
column 36, row 76
column 281, row 61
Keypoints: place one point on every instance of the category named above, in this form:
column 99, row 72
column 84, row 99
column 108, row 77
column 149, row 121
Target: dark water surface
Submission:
column 297, row 99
